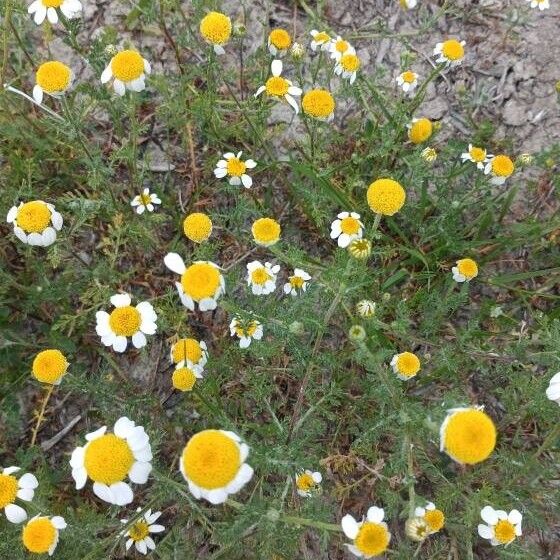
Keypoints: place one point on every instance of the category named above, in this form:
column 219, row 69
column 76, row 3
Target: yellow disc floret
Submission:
column 350, row 225
column 127, row 65
column 420, row 130
column 53, row 76
column 211, row 459
column 33, row 217
column 318, row 103
column 468, row 268
column 108, row 459
column 408, row 76
column 200, row 280
column 260, row 276
column 372, row 539
column 350, row 62
column 139, row 531
column 305, row 482
column 197, row 227
column 469, row 436
column 341, row 46
column 125, row 321
column 386, row 196
column 216, row 28
column 408, row 364
column 246, row 330
column 502, row 166
column 52, row 3
column 186, row 349
column 435, row 519
column 183, row 379
column 8, row 489
column 39, row 535
column 478, row 155
column 453, row 50
column 504, row 531
column 266, row 231
column 280, row 38
column 235, row 167
column 49, row 366
column 277, row 86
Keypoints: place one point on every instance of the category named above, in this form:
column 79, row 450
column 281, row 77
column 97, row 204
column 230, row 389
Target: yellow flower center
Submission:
column 211, row 459
column 386, row 196
column 477, row 154
column 8, row 489
column 420, row 130
column 201, row 280
column 127, row 65
column 236, row 167
column 452, row 50
column 341, row 46
column 49, row 366
column 216, row 28
column 145, row 199
column 247, row 330
column 470, row 436
column 52, row 3
column 53, row 76
column 502, row 166
column 408, row 77
column 277, row 86
column 350, row 225
column 350, row 62
column 321, row 37
column 435, row 519
column 186, row 349
column 408, row 364
column 260, row 276
column 467, row 267
column 360, row 248
column 318, row 103
column 139, row 531
column 197, row 227
column 504, row 531
column 125, row 321
column 372, row 539
column 305, row 482
column 266, row 231
column 33, row 217
column 39, row 535
column 183, row 379
column 280, row 38
column 108, row 459
column 296, row 282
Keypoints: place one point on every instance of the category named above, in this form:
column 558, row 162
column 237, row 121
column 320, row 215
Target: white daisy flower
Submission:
column 108, row 459
column 235, row 169
column 553, row 390
column 307, row 482
column 499, row 167
column 540, row 4
column 279, row 87
column 347, row 66
column 297, row 283
column 450, row 52
column 433, row 517
column 16, row 487
column 128, row 70
column 201, row 283
column 246, row 330
column 406, row 365
column 213, row 464
column 370, row 536
column 346, row 228
column 53, row 78
column 139, row 534
column 321, row 40
column 465, row 270
column 35, row 222
column 40, row 534
column 407, row 81
column 279, row 41
column 145, row 201
column 191, row 351
column 184, row 377
column 262, row 278
column 501, row 527
column 339, row 47
column 478, row 156
column 126, row 321
column 47, row 9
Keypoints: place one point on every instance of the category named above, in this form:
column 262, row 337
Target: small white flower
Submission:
column 553, row 390
column 245, row 330
column 321, row 40
column 35, row 222
column 16, row 487
column 407, row 81
column 339, row 47
column 262, row 278
column 450, row 52
column 47, row 8
column 128, row 70
column 145, row 201
column 346, row 228
column 307, row 482
column 126, row 321
column 465, row 270
column 235, row 168
column 191, row 351
column 501, row 527
column 279, row 41
column 479, row 156
column 409, row 4
column 279, row 87
column 139, row 534
column 540, row 4
column 499, row 167
column 376, row 530
column 40, row 534
column 347, row 66
column 53, row 78
column 297, row 283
